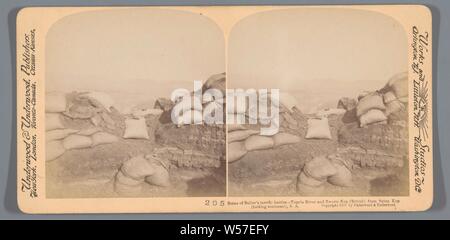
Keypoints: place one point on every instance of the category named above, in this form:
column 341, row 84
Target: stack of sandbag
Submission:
column 193, row 109
column 55, row 104
column 318, row 171
column 393, row 104
column 138, row 170
column 370, row 110
column 190, row 111
column 242, row 140
column 60, row 140
column 398, row 85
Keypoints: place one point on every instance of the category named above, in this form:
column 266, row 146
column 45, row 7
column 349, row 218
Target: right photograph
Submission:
column 323, row 104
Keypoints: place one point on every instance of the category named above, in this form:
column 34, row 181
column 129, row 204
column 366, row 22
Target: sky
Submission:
column 317, row 55
column 134, row 55
column 138, row 55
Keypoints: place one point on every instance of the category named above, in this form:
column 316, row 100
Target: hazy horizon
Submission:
column 132, row 53
column 317, row 55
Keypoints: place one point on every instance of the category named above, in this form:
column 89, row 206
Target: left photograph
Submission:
column 113, row 80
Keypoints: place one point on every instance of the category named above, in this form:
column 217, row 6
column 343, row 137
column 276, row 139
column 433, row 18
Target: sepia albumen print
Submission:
column 224, row 109
column 342, row 77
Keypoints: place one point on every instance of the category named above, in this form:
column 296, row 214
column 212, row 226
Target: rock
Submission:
column 164, row 104
column 208, row 139
column 347, row 103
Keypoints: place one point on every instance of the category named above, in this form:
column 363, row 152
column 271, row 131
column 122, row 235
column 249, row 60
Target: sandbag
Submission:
column 136, row 128
column 307, row 180
column 240, row 135
column 234, row 127
column 53, row 121
column 89, row 131
column 372, row 116
column 103, row 138
column 371, row 101
column 55, row 102
column 53, row 150
column 123, row 179
column 393, row 107
column 160, row 177
column 343, row 176
column 77, row 141
column 389, row 97
column 399, row 84
column 318, row 129
column 236, row 150
column 257, row 142
column 280, row 139
column 319, row 168
column 137, row 168
column 58, row 134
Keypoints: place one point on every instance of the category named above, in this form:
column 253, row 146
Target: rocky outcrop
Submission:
column 208, row 139
column 188, row 158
